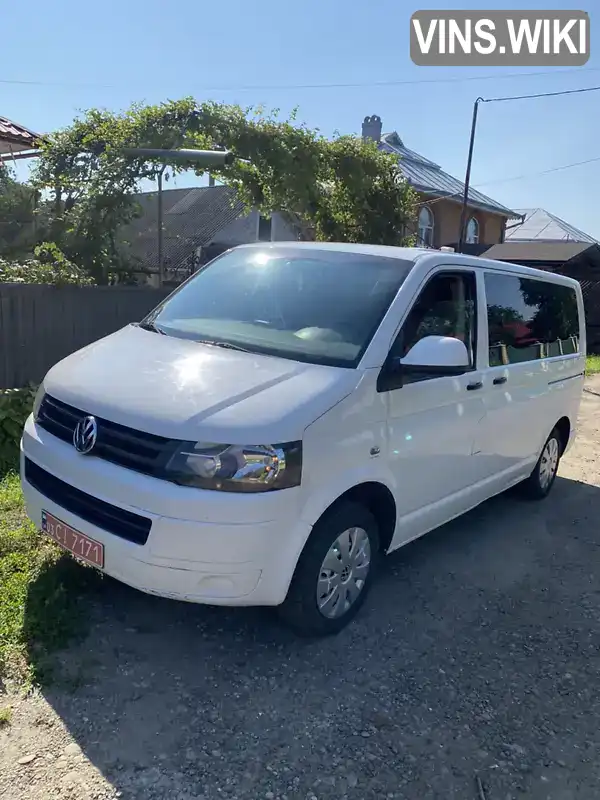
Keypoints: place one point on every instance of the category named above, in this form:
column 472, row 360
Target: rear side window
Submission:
column 529, row 319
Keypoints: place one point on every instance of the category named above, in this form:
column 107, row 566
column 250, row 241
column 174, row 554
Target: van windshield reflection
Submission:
column 307, row 304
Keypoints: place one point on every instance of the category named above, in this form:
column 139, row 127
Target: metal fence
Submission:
column 40, row 325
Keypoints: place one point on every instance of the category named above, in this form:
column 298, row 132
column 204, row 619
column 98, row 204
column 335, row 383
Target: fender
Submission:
column 372, row 472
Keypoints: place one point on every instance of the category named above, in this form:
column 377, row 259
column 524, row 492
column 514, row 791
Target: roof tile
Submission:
column 15, row 138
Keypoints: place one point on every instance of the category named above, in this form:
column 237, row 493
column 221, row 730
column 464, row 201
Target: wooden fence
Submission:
column 40, row 325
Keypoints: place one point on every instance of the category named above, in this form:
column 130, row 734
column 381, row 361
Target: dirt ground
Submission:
column 472, row 672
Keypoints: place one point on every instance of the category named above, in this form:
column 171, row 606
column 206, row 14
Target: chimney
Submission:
column 371, row 128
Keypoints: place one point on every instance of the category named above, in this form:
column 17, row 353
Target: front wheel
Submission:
column 541, row 480
column 334, row 572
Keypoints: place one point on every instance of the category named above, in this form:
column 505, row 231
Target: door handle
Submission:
column 472, row 386
column 498, row 381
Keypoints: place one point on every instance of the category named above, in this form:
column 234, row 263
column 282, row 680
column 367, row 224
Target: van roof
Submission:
column 404, row 253
column 423, row 256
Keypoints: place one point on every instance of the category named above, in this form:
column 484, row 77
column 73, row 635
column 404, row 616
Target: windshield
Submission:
column 306, row 304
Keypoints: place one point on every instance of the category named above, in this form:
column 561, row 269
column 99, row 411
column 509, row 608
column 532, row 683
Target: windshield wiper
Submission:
column 226, row 345
column 150, row 326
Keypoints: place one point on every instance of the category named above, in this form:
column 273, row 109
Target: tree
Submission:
column 345, row 189
column 555, row 316
column 18, row 203
column 503, row 318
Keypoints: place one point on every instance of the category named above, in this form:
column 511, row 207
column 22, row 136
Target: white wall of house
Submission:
column 282, row 231
column 245, row 229
column 240, row 231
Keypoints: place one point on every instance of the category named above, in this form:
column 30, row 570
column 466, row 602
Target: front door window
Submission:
column 445, row 307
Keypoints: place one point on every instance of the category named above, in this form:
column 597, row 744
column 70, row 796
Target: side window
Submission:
column 529, row 319
column 445, row 307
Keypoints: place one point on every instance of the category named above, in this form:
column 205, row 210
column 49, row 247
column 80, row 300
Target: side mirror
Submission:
column 434, row 356
column 443, row 355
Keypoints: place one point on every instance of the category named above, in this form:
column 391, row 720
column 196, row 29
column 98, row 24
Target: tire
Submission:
column 360, row 543
column 540, row 482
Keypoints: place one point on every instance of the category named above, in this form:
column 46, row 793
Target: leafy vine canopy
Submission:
column 342, row 189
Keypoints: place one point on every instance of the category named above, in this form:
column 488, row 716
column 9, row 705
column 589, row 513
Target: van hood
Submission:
column 184, row 390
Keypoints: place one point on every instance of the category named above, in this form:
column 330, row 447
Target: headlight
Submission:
column 236, row 468
column 37, row 401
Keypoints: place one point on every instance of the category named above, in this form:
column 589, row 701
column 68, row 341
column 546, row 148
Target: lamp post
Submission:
column 204, row 158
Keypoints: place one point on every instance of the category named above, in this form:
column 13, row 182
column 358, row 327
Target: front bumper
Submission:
column 227, row 550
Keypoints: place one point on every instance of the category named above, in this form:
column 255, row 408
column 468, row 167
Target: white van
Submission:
column 295, row 410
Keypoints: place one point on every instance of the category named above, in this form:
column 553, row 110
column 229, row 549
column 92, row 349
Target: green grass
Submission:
column 592, row 366
column 40, row 591
column 5, row 716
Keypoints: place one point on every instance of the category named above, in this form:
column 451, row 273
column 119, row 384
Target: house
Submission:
column 441, row 197
column 545, row 241
column 198, row 224
column 15, row 138
column 539, row 225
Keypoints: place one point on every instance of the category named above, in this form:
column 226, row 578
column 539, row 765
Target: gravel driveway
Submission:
column 473, row 672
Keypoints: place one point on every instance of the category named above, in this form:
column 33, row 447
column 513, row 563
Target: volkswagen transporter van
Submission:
column 295, row 411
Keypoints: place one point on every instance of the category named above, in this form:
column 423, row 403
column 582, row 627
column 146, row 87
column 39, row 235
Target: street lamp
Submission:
column 204, row 158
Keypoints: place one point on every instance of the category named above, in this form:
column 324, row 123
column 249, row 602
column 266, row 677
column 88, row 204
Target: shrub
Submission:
column 49, row 265
column 15, row 407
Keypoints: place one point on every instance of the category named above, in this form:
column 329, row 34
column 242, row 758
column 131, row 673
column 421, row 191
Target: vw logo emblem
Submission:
column 85, row 435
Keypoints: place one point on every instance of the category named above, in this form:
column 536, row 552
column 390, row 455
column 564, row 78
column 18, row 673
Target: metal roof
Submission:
column 16, row 138
column 191, row 218
column 428, row 177
column 541, row 226
column 536, row 251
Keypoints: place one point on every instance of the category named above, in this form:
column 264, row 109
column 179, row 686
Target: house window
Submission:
column 264, row 229
column 473, row 231
column 425, row 227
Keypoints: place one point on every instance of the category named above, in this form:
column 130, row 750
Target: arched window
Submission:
column 473, row 231
column 425, row 227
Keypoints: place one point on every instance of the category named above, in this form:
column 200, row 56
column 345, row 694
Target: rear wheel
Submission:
column 541, row 480
column 334, row 572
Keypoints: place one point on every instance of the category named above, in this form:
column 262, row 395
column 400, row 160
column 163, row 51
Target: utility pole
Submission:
column 463, row 213
column 463, row 216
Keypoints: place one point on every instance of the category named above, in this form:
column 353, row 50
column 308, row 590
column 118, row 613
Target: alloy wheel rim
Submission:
column 343, row 573
column 549, row 463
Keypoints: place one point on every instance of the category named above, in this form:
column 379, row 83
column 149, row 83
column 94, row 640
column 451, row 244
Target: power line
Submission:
column 514, row 178
column 542, row 94
column 357, row 85
column 542, row 172
column 463, row 215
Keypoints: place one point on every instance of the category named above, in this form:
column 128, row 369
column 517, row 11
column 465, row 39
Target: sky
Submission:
column 58, row 59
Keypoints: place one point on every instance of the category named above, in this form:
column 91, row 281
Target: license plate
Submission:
column 80, row 545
